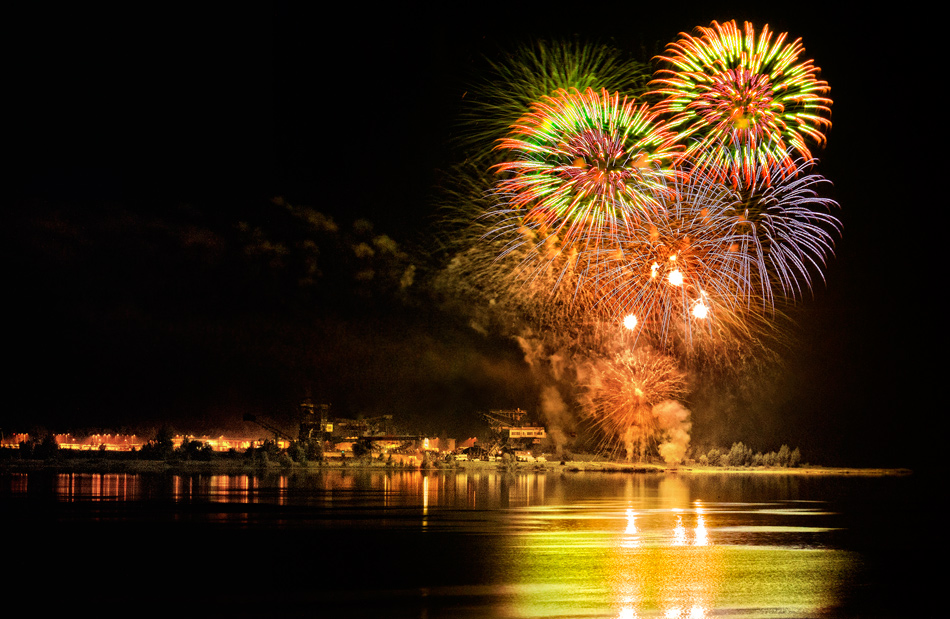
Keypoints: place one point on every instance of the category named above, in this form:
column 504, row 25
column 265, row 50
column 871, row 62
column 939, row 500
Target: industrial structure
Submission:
column 376, row 435
column 512, row 431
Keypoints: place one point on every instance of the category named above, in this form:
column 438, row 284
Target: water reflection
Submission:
column 102, row 487
column 545, row 544
column 654, row 550
column 677, row 574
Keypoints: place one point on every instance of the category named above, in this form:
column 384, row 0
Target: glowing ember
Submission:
column 700, row 310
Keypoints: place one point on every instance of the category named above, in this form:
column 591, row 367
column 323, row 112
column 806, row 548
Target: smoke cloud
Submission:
column 548, row 370
column 673, row 427
column 557, row 416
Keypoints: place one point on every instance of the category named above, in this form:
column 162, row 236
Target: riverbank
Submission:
column 624, row 467
column 242, row 466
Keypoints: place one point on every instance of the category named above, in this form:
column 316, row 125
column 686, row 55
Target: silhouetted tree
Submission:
column 362, row 447
column 313, row 448
column 195, row 450
column 47, row 449
column 739, row 455
column 161, row 447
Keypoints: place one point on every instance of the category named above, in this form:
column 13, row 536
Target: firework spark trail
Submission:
column 526, row 74
column 579, row 164
column 676, row 269
column 530, row 290
column 746, row 102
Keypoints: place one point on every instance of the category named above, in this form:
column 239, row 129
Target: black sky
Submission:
column 142, row 138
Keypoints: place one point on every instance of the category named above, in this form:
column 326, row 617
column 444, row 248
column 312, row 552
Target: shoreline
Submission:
column 222, row 467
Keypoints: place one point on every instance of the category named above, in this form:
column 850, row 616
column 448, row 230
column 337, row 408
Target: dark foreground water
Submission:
column 409, row 544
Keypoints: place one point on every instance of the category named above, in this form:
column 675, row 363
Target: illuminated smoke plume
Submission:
column 557, row 416
column 673, row 426
column 623, row 398
column 548, row 369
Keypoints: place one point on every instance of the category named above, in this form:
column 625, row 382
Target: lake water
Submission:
column 412, row 544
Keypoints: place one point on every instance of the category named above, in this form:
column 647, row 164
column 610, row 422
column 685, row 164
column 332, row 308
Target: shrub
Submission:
column 160, row 447
column 362, row 447
column 509, row 462
column 195, row 450
column 26, row 449
column 795, row 458
column 739, row 455
column 297, row 452
column 47, row 449
column 783, row 456
column 313, row 449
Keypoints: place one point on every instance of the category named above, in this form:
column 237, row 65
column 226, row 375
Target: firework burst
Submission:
column 715, row 261
column 584, row 162
column 621, row 396
column 676, row 275
column 745, row 101
column 508, row 278
column 785, row 232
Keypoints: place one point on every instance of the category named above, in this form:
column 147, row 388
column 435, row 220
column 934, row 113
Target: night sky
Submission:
column 156, row 277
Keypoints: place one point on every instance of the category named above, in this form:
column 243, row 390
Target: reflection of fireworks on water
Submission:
column 523, row 76
column 631, row 399
column 746, row 102
column 581, row 162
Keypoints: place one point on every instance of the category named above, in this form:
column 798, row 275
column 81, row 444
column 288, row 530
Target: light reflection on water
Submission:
column 656, row 552
column 527, row 545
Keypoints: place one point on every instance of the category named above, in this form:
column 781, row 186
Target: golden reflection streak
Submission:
column 98, row 486
column 425, row 499
column 677, row 574
column 637, row 568
column 631, row 522
column 679, row 531
column 626, row 613
column 701, row 535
